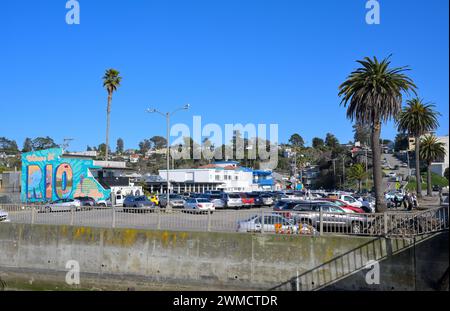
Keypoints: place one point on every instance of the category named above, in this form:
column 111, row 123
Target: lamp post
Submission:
column 167, row 115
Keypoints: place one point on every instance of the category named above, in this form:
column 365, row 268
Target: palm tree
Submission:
column 417, row 118
column 431, row 150
column 357, row 172
column 373, row 94
column 111, row 81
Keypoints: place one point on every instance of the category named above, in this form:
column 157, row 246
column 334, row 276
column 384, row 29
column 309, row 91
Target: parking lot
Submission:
column 177, row 219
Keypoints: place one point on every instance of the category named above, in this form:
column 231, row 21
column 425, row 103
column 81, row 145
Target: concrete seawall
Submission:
column 142, row 259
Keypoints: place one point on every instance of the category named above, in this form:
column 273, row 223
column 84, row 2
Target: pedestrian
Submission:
column 405, row 200
column 410, row 201
column 415, row 202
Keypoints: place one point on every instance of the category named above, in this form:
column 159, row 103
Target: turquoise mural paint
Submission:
column 48, row 176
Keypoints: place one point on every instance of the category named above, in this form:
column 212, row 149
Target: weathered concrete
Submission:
column 418, row 267
column 140, row 259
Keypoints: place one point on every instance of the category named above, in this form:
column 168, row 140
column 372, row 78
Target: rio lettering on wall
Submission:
column 48, row 176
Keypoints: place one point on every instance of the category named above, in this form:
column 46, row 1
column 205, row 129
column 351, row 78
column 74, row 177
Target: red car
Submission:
column 344, row 205
column 247, row 200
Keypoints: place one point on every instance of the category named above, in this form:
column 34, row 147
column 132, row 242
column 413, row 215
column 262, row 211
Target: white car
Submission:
column 272, row 223
column 4, row 216
column 391, row 174
column 63, row 205
column 350, row 200
column 199, row 204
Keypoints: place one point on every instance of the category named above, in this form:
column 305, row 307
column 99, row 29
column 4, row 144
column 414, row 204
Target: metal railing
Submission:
column 263, row 220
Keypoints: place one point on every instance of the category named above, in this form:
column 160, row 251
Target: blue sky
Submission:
column 233, row 61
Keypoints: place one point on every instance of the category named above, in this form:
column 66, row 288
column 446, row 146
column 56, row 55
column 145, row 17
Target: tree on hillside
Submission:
column 297, row 141
column 361, row 133
column 111, row 81
column 317, row 142
column 41, row 143
column 8, row 146
column 102, row 150
column 357, row 173
column 158, row 142
column 331, row 141
column 401, row 142
column 119, row 146
column 27, row 145
column 372, row 95
column 431, row 150
column 417, row 119
column 144, row 146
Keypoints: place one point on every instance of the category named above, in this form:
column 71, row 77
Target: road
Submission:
column 392, row 161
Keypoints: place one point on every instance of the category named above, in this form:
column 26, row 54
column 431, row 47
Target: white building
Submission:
column 227, row 177
column 440, row 166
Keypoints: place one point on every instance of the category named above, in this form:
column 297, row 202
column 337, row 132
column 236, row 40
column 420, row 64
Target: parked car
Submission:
column 392, row 194
column 270, row 223
column 63, row 205
column 347, row 199
column 4, row 216
column 404, row 165
column 267, row 199
column 137, row 204
column 334, row 218
column 232, row 200
column 104, row 203
column 176, row 200
column 345, row 206
column 436, row 188
column 257, row 199
column 87, row 202
column 445, row 200
column 199, row 204
column 215, row 199
column 246, row 200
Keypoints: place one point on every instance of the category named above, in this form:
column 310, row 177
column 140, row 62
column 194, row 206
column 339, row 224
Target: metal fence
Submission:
column 263, row 220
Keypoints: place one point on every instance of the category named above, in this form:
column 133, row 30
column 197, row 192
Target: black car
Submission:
column 437, row 188
column 258, row 200
column 285, row 205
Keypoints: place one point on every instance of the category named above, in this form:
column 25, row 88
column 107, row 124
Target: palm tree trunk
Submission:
column 108, row 112
column 429, row 190
column 376, row 167
column 418, row 179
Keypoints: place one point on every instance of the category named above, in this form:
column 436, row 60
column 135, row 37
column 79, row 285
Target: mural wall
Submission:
column 47, row 176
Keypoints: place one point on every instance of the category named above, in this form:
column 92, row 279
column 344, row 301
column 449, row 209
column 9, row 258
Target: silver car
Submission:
column 232, row 200
column 270, row 223
column 4, row 216
column 63, row 205
column 176, row 200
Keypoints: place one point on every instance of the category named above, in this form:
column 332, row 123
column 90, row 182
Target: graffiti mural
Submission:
column 48, row 176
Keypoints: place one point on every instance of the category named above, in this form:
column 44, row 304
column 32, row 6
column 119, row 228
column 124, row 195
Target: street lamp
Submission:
column 167, row 115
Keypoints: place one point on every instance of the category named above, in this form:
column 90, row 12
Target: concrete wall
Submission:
column 202, row 260
column 222, row 260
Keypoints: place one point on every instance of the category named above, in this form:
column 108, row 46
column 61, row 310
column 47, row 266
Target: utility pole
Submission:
column 334, row 171
column 343, row 169
column 167, row 116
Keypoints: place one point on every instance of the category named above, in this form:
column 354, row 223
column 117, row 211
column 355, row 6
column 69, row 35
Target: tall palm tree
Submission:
column 111, row 81
column 431, row 150
column 373, row 94
column 417, row 118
